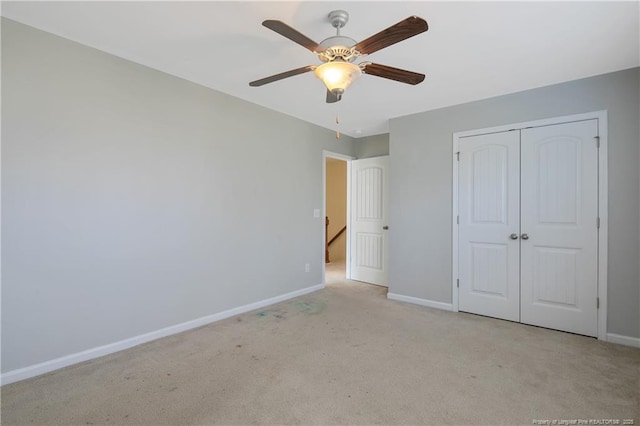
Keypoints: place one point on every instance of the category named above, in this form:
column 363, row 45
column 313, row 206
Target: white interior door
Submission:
column 489, row 186
column 559, row 241
column 369, row 211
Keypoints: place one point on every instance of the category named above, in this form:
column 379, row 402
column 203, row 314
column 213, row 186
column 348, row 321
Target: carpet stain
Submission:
column 311, row 308
column 276, row 313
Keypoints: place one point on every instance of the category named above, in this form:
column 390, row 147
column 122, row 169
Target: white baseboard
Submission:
column 55, row 364
column 421, row 302
column 623, row 340
column 611, row 337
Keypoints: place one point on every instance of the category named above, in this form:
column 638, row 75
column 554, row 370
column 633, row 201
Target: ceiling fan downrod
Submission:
column 338, row 19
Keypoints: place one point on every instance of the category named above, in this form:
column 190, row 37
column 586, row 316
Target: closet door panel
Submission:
column 489, row 215
column 559, row 236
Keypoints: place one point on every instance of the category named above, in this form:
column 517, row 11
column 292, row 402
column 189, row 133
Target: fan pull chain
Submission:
column 338, row 111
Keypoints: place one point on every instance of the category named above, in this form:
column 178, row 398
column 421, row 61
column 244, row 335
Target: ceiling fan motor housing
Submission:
column 337, row 47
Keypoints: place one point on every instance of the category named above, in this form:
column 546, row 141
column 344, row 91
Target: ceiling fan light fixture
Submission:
column 338, row 75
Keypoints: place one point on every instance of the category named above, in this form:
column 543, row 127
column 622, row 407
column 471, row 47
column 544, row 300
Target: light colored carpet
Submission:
column 343, row 355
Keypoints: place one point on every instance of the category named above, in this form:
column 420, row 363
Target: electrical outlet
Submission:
column 307, row 267
column 316, row 212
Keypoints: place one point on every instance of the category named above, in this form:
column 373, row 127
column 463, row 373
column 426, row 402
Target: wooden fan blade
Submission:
column 392, row 73
column 291, row 33
column 332, row 97
column 280, row 76
column 403, row 30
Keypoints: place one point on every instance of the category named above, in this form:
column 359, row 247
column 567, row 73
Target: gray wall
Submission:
column 371, row 146
column 133, row 200
column 421, row 184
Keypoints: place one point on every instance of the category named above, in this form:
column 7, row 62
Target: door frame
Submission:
column 603, row 231
column 329, row 154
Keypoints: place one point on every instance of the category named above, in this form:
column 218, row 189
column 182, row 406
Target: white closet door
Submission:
column 559, row 241
column 488, row 197
column 369, row 214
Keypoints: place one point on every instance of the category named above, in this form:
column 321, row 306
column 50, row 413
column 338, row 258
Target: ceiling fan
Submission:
column 339, row 52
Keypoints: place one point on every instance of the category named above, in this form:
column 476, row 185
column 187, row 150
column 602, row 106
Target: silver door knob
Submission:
column 524, row 236
column 514, row 236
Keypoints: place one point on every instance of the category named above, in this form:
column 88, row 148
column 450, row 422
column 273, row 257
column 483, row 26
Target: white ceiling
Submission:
column 473, row 50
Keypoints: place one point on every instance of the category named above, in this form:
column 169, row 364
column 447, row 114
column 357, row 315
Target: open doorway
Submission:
column 335, row 218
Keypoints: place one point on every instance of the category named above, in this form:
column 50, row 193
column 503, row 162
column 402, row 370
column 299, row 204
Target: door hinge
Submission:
column 458, row 282
column 597, row 138
column 598, row 222
column 458, row 156
column 597, row 303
